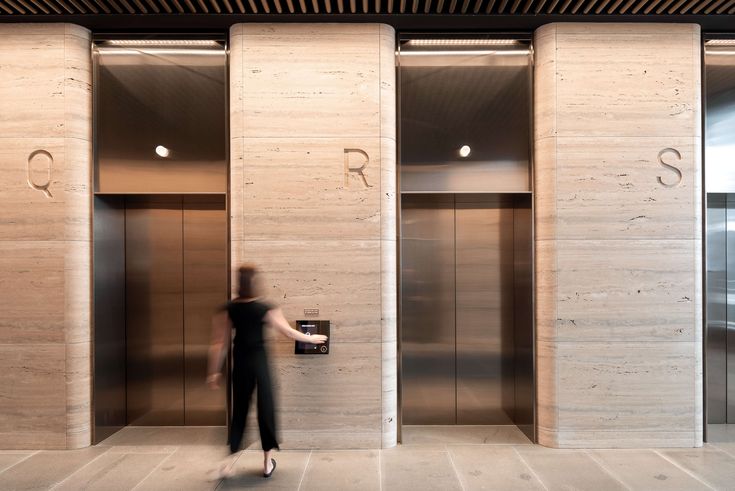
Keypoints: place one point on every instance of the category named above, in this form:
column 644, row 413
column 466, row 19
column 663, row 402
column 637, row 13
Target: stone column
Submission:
column 618, row 235
column 45, row 236
column 313, row 205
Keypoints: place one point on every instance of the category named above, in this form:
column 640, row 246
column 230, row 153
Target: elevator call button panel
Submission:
column 312, row 327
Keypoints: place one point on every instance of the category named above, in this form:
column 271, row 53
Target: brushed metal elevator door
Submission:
column 205, row 288
column 155, row 311
column 176, row 276
column 457, row 310
column 428, row 304
column 484, row 309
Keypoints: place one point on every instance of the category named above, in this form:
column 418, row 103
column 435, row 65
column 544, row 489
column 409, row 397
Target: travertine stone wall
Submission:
column 45, row 169
column 313, row 204
column 618, row 235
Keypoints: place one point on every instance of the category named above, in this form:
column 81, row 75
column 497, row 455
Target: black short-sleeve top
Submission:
column 248, row 321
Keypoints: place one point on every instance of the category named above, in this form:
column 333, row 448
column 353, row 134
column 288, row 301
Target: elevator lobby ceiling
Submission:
column 713, row 15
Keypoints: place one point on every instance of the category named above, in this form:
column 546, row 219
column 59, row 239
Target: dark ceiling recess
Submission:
column 714, row 15
column 441, row 7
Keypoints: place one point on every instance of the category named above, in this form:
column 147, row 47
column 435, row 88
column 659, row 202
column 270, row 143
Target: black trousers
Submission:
column 250, row 371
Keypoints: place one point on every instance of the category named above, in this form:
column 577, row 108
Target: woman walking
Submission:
column 248, row 315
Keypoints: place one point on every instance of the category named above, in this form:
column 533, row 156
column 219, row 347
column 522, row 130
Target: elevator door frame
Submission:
column 515, row 201
column 408, row 34
column 223, row 38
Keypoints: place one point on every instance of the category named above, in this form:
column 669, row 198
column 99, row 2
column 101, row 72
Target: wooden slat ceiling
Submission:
column 592, row 8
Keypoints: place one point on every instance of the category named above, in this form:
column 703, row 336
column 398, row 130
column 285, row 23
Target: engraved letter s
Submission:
column 40, row 158
column 669, row 166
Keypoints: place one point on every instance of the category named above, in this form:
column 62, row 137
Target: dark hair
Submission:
column 246, row 288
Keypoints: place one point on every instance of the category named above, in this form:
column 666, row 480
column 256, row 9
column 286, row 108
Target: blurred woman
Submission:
column 248, row 315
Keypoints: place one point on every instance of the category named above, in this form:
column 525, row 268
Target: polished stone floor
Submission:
column 432, row 458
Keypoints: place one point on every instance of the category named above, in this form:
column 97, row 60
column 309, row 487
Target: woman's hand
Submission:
column 213, row 380
column 316, row 339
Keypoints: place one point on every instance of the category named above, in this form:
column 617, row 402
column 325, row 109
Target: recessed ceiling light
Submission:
column 462, row 42
column 464, row 151
column 162, row 151
column 720, row 42
column 162, row 42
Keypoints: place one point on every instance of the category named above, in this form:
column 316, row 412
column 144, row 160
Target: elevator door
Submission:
column 461, row 269
column 175, row 276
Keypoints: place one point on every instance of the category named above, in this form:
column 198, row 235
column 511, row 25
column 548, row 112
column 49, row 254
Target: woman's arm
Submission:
column 275, row 318
column 219, row 347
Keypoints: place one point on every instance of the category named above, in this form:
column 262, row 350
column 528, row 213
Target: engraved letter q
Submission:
column 40, row 159
column 669, row 166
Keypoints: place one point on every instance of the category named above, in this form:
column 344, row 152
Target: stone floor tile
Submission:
column 187, row 469
column 646, row 470
column 342, row 470
column 113, row 472
column 10, row 458
column 414, row 469
column 44, row 469
column 492, row 467
column 567, row 469
column 711, row 465
column 168, row 435
column 463, row 435
column 289, row 472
